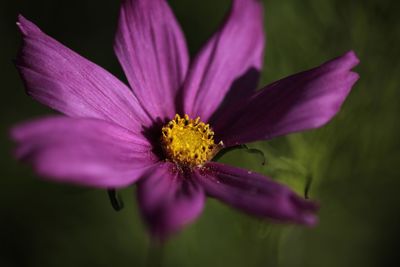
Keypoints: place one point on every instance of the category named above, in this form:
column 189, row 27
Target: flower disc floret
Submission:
column 188, row 142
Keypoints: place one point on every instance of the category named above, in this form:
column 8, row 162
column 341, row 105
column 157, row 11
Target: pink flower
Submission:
column 113, row 135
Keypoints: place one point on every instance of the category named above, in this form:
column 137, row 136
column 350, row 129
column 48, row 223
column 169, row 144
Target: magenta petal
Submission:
column 232, row 53
column 300, row 102
column 152, row 51
column 256, row 194
column 168, row 201
column 61, row 79
column 87, row 152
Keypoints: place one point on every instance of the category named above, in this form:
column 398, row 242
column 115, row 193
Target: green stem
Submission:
column 155, row 255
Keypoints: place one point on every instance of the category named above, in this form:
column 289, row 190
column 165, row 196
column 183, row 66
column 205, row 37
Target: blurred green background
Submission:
column 353, row 162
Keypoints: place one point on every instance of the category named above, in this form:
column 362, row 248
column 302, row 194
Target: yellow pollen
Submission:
column 188, row 142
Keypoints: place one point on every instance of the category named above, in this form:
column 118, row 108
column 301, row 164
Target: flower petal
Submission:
column 152, row 51
column 61, row 79
column 256, row 194
column 306, row 100
column 234, row 52
column 168, row 201
column 87, row 152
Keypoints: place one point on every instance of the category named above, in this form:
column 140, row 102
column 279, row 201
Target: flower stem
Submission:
column 155, row 255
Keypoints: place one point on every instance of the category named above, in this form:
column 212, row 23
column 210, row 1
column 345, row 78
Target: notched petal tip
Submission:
column 347, row 61
column 352, row 56
column 307, row 210
column 26, row 26
column 13, row 133
column 16, row 135
column 309, row 219
column 353, row 77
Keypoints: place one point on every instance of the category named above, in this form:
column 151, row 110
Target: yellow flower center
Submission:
column 188, row 142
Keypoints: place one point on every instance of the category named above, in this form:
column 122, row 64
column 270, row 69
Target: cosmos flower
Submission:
column 165, row 128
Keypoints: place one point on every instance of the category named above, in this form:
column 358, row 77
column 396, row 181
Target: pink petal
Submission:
column 255, row 194
column 233, row 53
column 306, row 100
column 168, row 201
column 152, row 51
column 61, row 79
column 87, row 152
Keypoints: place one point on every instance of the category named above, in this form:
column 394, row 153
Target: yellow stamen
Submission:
column 188, row 142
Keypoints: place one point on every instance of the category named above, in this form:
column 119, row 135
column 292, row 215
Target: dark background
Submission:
column 353, row 162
